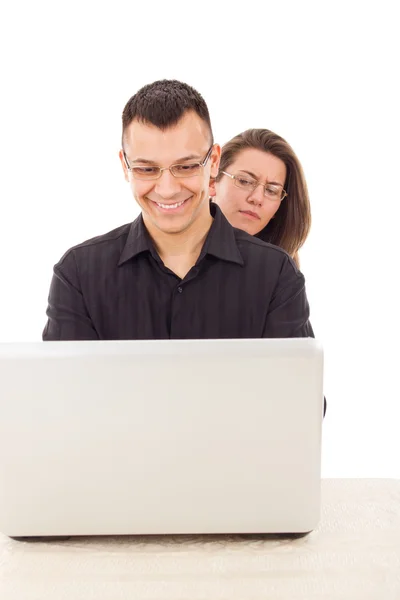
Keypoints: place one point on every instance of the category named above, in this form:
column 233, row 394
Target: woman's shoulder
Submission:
column 253, row 248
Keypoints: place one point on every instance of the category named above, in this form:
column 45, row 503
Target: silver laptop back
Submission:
column 157, row 437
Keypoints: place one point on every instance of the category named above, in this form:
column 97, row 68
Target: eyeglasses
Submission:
column 152, row 172
column 271, row 190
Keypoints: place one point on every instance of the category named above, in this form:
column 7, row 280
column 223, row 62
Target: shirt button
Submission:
column 180, row 290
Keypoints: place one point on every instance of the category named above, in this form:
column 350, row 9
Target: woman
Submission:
column 261, row 189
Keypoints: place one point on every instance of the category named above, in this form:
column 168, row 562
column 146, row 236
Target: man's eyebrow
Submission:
column 145, row 161
column 255, row 177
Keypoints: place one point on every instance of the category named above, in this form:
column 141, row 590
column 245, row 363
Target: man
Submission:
column 179, row 270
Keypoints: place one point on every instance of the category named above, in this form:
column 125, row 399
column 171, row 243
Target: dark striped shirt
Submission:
column 115, row 286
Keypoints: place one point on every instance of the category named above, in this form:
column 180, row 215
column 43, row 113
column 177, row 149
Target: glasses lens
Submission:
column 273, row 192
column 146, row 172
column 186, row 170
column 244, row 183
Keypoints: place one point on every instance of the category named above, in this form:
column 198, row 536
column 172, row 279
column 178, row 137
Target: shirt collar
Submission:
column 138, row 241
column 220, row 241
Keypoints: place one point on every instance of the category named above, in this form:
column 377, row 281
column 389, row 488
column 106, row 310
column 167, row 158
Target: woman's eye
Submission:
column 245, row 182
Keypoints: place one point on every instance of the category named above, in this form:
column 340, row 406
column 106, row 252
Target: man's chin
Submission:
column 178, row 226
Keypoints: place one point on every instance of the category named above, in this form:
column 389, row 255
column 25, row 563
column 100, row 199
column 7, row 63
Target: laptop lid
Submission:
column 154, row 437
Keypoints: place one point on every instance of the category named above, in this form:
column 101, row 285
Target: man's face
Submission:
column 171, row 204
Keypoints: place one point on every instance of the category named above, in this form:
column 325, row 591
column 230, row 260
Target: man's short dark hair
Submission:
column 163, row 104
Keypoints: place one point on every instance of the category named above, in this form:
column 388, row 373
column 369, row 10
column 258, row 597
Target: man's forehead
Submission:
column 189, row 135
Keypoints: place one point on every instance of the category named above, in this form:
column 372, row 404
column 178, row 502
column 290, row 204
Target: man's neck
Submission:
column 180, row 251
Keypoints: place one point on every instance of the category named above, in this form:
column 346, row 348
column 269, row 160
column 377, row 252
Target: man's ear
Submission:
column 124, row 168
column 212, row 191
column 215, row 160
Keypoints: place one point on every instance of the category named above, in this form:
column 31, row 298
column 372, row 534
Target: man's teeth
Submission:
column 170, row 206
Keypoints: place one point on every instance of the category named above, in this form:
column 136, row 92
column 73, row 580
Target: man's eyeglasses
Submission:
column 153, row 172
column 271, row 190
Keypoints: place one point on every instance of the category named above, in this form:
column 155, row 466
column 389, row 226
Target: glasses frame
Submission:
column 257, row 183
column 201, row 164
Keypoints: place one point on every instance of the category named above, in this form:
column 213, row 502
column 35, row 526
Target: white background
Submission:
column 324, row 76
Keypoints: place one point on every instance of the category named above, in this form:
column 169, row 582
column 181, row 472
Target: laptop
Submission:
column 160, row 437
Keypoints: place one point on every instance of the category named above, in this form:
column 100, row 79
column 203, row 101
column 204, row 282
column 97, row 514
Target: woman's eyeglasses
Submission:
column 271, row 190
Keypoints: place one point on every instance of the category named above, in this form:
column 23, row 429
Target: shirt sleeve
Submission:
column 68, row 318
column 289, row 311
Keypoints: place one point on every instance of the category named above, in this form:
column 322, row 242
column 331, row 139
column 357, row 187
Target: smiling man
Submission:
column 180, row 270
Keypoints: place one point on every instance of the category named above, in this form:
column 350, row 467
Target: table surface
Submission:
column 354, row 554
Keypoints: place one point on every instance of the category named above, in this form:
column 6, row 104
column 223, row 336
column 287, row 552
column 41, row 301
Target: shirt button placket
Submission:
column 177, row 318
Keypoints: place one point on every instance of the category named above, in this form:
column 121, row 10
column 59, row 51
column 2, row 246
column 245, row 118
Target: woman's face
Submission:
column 250, row 210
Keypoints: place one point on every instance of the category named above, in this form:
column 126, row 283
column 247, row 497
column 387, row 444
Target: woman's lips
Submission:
column 250, row 214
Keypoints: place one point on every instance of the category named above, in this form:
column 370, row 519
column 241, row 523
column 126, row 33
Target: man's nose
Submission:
column 167, row 185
